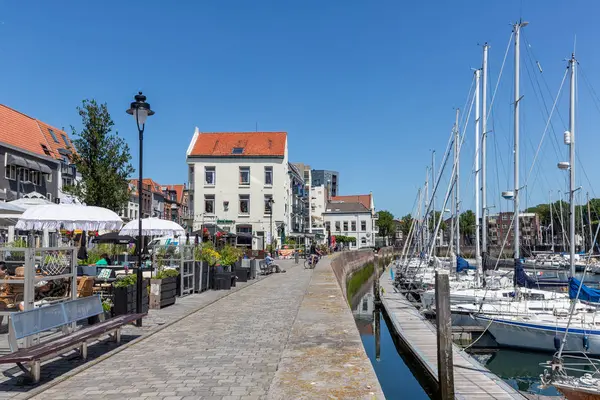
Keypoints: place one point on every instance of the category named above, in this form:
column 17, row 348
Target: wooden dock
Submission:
column 471, row 379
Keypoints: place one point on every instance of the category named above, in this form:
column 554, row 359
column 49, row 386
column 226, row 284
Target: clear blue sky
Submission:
column 363, row 87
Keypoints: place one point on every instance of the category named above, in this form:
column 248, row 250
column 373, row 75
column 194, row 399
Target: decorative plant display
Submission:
column 230, row 255
column 208, row 254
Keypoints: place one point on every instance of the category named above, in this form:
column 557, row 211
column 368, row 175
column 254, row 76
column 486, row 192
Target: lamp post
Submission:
column 140, row 111
column 270, row 203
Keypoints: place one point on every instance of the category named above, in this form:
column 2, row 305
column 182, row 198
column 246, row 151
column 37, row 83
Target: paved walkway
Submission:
column 229, row 350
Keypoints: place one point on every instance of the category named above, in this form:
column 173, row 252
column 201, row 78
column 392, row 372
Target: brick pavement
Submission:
column 229, row 350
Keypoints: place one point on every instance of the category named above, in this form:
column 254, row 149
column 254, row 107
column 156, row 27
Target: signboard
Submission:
column 225, row 221
column 105, row 273
column 268, row 237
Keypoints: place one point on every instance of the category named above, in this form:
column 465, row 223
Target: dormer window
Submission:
column 46, row 150
column 237, row 150
column 64, row 138
column 53, row 135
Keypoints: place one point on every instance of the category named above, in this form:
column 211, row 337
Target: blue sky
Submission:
column 365, row 88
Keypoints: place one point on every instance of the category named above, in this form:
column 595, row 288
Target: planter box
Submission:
column 242, row 274
column 163, row 292
column 222, row 281
column 124, row 299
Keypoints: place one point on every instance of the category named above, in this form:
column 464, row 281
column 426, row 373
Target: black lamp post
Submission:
column 270, row 203
column 140, row 111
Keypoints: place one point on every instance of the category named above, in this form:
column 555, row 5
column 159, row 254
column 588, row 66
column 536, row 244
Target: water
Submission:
column 395, row 377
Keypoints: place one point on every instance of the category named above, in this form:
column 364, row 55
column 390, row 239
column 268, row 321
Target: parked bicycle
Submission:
column 311, row 261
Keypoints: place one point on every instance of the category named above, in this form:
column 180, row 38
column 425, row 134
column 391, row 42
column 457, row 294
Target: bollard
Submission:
column 297, row 257
column 377, row 313
column 444, row 335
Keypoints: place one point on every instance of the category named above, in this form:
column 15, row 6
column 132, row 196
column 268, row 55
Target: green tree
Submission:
column 386, row 225
column 405, row 223
column 467, row 225
column 433, row 222
column 102, row 158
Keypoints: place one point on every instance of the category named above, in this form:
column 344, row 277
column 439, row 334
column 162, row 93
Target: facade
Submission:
column 37, row 157
column 158, row 201
column 317, row 208
column 331, row 180
column 297, row 200
column 398, row 234
column 307, row 176
column 351, row 219
column 499, row 226
column 239, row 181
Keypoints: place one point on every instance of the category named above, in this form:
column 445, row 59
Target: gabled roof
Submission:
column 345, row 208
column 179, row 190
column 252, row 144
column 364, row 199
column 27, row 133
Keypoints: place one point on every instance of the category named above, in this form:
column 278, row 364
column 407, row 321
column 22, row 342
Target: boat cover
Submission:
column 522, row 279
column 586, row 293
column 462, row 264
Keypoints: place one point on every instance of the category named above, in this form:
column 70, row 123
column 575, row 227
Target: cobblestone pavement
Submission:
column 228, row 350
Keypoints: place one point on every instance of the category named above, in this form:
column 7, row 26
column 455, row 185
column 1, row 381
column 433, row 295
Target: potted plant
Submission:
column 163, row 288
column 230, row 256
column 125, row 292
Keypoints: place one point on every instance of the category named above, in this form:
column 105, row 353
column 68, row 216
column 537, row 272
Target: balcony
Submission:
column 68, row 169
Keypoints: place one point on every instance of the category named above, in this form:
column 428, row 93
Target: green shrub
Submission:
column 166, row 273
column 230, row 255
column 125, row 281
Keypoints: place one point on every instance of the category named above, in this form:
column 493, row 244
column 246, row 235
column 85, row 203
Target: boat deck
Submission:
column 471, row 379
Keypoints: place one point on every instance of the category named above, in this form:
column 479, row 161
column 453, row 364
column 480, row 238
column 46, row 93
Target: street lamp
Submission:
column 140, row 111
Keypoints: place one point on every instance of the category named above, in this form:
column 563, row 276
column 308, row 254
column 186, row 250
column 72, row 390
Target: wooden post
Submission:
column 376, row 280
column 377, row 334
column 444, row 335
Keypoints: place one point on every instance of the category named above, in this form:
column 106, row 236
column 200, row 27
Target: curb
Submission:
column 120, row 348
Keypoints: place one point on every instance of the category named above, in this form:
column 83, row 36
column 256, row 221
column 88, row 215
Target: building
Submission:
column 240, row 182
column 351, row 219
column 158, row 201
column 398, row 233
column 331, row 180
column 306, row 174
column 500, row 227
column 298, row 201
column 37, row 157
column 317, row 208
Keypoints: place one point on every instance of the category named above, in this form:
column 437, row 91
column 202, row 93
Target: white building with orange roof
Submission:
column 239, row 182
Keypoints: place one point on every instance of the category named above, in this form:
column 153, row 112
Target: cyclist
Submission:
column 314, row 254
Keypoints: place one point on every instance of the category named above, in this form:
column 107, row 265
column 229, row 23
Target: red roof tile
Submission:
column 254, row 144
column 22, row 131
column 364, row 199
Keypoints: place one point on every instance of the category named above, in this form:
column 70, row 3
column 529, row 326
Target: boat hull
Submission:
column 577, row 393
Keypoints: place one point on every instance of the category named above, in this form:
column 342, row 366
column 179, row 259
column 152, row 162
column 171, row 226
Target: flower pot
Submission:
column 124, row 299
column 163, row 292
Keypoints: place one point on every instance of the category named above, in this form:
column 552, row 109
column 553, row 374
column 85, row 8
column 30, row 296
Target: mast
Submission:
column 551, row 224
column 484, row 209
column 571, row 142
column 562, row 221
column 517, row 31
column 434, row 186
column 426, row 214
column 589, row 212
column 477, row 223
column 456, row 186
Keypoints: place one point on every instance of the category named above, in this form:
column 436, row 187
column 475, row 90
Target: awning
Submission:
column 16, row 160
column 45, row 169
column 33, row 165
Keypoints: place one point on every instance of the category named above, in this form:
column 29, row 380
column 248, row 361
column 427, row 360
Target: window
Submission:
column 268, row 176
column 53, row 135
column 11, row 172
column 67, row 182
column 49, row 196
column 504, row 226
column 48, row 177
column 64, row 138
column 225, row 206
column 244, row 204
column 35, row 178
column 363, row 241
column 209, row 175
column 353, row 225
column 209, row 203
column 345, row 226
column 363, row 225
column 24, row 175
column 45, row 148
column 244, row 175
column 337, row 226
column 327, row 226
column 268, row 203
column 237, row 150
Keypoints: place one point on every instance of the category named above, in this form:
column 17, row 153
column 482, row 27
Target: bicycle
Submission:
column 311, row 261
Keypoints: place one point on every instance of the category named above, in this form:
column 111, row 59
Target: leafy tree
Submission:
column 102, row 158
column 433, row 222
column 386, row 225
column 467, row 225
column 405, row 223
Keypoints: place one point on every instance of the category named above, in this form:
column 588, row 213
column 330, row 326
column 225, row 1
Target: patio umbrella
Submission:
column 113, row 237
column 9, row 213
column 153, row 227
column 69, row 217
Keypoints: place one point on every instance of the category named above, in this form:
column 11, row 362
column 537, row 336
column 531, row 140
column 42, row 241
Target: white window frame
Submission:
column 209, row 198
column 244, row 198
column 353, row 225
column 35, row 178
column 268, row 208
column 338, row 225
column 210, row 171
column 11, row 172
column 242, row 171
column 345, row 226
column 363, row 226
column 269, row 173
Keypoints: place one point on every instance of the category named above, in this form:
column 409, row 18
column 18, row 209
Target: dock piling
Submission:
column 444, row 335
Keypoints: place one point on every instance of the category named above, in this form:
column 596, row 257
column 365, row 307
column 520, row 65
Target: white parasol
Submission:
column 153, row 227
column 69, row 217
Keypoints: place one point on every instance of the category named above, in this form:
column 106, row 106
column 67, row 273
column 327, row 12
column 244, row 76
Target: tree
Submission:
column 467, row 225
column 386, row 225
column 433, row 222
column 102, row 158
column 405, row 224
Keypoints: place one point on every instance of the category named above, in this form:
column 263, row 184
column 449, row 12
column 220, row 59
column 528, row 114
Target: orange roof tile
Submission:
column 271, row 144
column 364, row 199
column 64, row 142
column 22, row 131
column 179, row 190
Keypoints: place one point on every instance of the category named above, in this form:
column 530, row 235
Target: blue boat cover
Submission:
column 462, row 264
column 522, row 279
column 586, row 293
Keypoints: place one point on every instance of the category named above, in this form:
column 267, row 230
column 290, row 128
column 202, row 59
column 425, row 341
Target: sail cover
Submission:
column 522, row 279
column 586, row 293
column 462, row 264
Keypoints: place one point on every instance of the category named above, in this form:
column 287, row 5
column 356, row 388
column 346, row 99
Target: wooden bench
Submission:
column 264, row 268
column 64, row 315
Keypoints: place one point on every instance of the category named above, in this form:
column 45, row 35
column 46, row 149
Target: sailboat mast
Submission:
column 456, row 184
column 589, row 213
column 571, row 142
column 434, row 185
column 484, row 209
column 477, row 223
column 562, row 221
column 517, row 31
column 426, row 214
column 551, row 223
